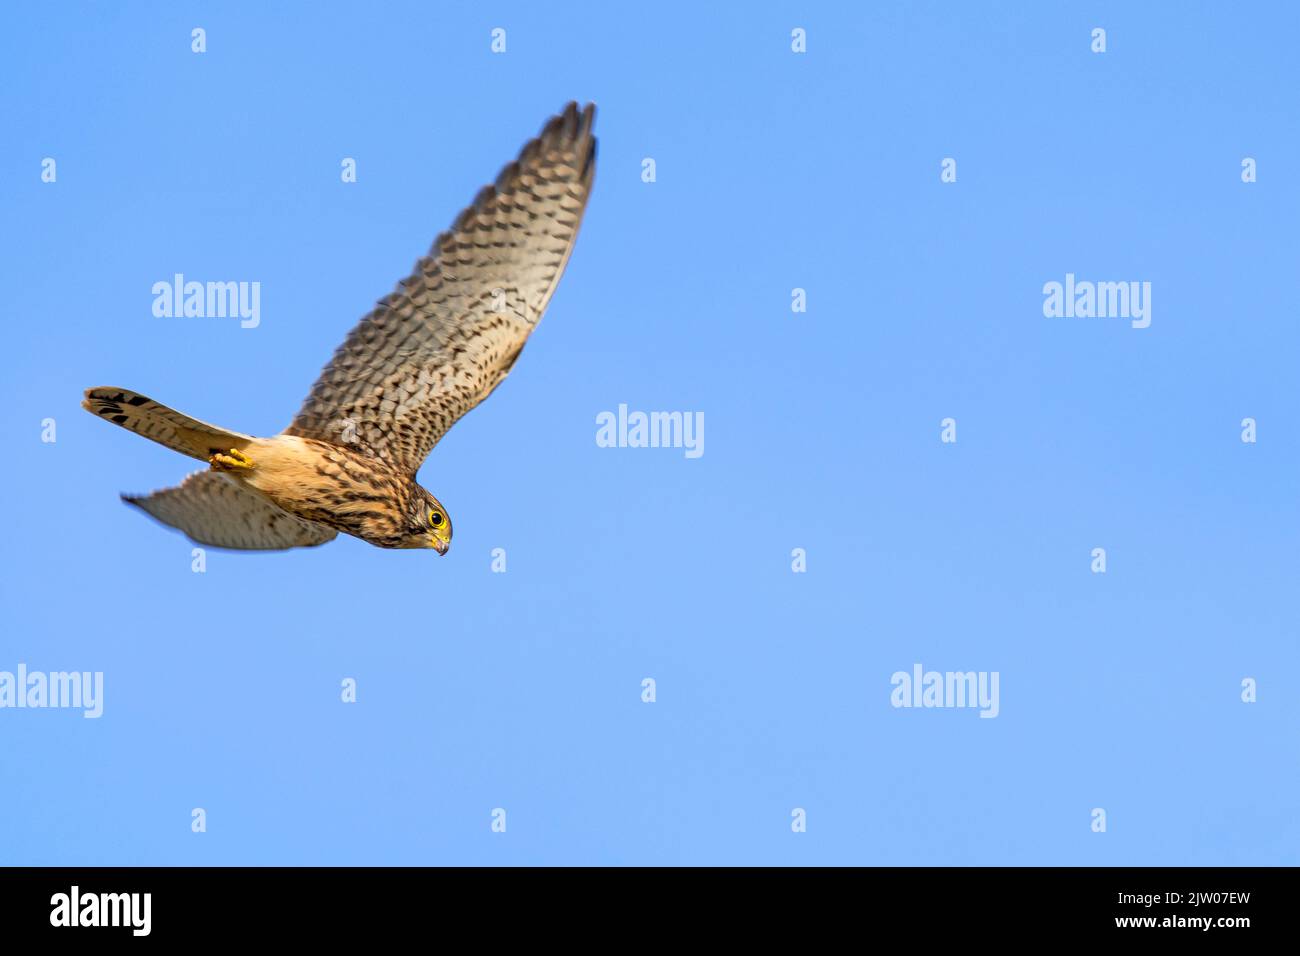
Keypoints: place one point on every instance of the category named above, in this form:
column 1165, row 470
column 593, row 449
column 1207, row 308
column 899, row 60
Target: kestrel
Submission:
column 427, row 354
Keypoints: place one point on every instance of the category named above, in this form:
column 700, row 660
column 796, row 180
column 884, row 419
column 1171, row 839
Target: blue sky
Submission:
column 774, row 171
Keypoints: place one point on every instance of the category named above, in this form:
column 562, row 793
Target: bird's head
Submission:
column 429, row 524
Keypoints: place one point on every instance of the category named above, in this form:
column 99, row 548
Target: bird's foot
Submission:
column 235, row 460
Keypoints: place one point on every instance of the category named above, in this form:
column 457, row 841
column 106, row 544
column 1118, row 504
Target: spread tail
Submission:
column 144, row 416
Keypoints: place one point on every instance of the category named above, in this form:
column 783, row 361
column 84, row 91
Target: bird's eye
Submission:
column 436, row 519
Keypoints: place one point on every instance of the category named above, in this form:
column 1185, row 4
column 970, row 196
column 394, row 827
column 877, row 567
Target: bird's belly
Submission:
column 325, row 483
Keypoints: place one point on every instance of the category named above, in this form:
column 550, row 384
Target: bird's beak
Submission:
column 439, row 543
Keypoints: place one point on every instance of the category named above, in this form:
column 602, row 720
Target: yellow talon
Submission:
column 236, row 459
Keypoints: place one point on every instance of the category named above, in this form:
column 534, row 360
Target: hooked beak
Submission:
column 439, row 544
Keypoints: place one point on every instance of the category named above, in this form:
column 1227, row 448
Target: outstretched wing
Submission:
column 216, row 510
column 448, row 335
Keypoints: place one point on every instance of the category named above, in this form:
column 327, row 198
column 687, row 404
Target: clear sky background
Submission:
column 775, row 170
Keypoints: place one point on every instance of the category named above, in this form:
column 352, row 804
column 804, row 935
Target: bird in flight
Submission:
column 428, row 353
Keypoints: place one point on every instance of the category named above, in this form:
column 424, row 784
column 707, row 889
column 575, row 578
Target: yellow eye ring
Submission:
column 435, row 519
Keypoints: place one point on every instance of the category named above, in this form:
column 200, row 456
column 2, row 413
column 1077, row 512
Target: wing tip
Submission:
column 567, row 126
column 572, row 123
